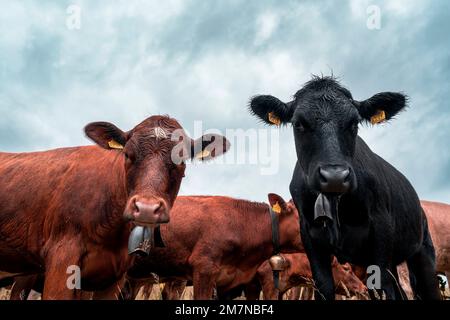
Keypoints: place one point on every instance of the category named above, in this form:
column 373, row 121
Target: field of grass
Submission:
column 187, row 294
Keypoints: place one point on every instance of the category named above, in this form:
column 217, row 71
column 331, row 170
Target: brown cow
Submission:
column 75, row 206
column 298, row 272
column 218, row 242
column 438, row 216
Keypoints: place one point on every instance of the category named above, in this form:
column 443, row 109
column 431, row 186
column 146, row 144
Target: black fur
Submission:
column 379, row 215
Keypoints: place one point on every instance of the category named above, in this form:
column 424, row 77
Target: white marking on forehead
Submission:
column 159, row 133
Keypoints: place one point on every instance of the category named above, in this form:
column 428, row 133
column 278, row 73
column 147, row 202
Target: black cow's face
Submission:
column 153, row 154
column 325, row 121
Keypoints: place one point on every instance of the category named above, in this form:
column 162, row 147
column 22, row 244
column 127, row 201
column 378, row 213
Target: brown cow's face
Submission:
column 344, row 276
column 154, row 154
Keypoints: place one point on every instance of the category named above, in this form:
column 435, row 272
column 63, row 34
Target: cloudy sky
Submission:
column 203, row 60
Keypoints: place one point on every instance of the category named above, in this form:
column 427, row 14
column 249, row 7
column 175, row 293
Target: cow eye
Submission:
column 301, row 126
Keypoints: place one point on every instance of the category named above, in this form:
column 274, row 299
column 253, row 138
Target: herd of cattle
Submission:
column 112, row 211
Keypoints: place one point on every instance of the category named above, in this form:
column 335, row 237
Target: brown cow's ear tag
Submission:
column 274, row 119
column 276, row 208
column 113, row 144
column 379, row 117
column 203, row 154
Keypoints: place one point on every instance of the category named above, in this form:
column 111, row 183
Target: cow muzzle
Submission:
column 145, row 212
column 334, row 179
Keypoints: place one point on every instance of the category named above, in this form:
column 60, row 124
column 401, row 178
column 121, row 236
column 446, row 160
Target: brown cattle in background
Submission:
column 438, row 216
column 218, row 242
column 75, row 206
column 298, row 272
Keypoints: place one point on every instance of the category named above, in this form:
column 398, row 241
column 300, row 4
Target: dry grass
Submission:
column 4, row 294
column 188, row 294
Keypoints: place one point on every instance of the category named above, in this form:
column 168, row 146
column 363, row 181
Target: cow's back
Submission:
column 206, row 228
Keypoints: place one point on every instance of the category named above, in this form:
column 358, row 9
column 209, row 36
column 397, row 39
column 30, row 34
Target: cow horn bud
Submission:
column 277, row 262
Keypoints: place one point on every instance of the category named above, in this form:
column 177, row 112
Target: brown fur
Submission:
column 68, row 206
column 299, row 273
column 218, row 242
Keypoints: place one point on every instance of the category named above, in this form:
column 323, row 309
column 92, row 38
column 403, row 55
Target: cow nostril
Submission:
column 157, row 207
column 346, row 175
column 323, row 175
column 135, row 205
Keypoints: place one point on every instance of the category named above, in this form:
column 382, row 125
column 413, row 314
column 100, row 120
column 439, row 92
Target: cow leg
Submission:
column 204, row 283
column 423, row 274
column 320, row 262
column 399, row 292
column 322, row 275
column 295, row 293
column 252, row 290
column 22, row 287
column 173, row 290
column 60, row 257
column 111, row 293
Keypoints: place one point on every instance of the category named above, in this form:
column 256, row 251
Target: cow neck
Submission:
column 262, row 240
column 113, row 223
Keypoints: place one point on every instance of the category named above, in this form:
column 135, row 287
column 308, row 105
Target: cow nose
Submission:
column 334, row 179
column 150, row 212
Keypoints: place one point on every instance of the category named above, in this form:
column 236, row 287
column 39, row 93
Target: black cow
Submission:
column 353, row 204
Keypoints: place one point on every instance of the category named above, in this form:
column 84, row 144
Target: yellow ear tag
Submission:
column 274, row 119
column 276, row 208
column 113, row 144
column 203, row 154
column 379, row 117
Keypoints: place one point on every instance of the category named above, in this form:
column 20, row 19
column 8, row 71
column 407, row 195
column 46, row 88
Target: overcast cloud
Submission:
column 203, row 60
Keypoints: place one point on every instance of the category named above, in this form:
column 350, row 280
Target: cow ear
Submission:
column 271, row 110
column 277, row 203
column 381, row 107
column 209, row 146
column 106, row 135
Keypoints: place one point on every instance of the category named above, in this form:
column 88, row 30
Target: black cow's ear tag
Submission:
column 379, row 117
column 322, row 208
column 113, row 144
column 274, row 119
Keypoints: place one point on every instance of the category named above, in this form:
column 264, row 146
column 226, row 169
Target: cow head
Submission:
column 325, row 120
column 154, row 155
column 345, row 280
column 288, row 223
